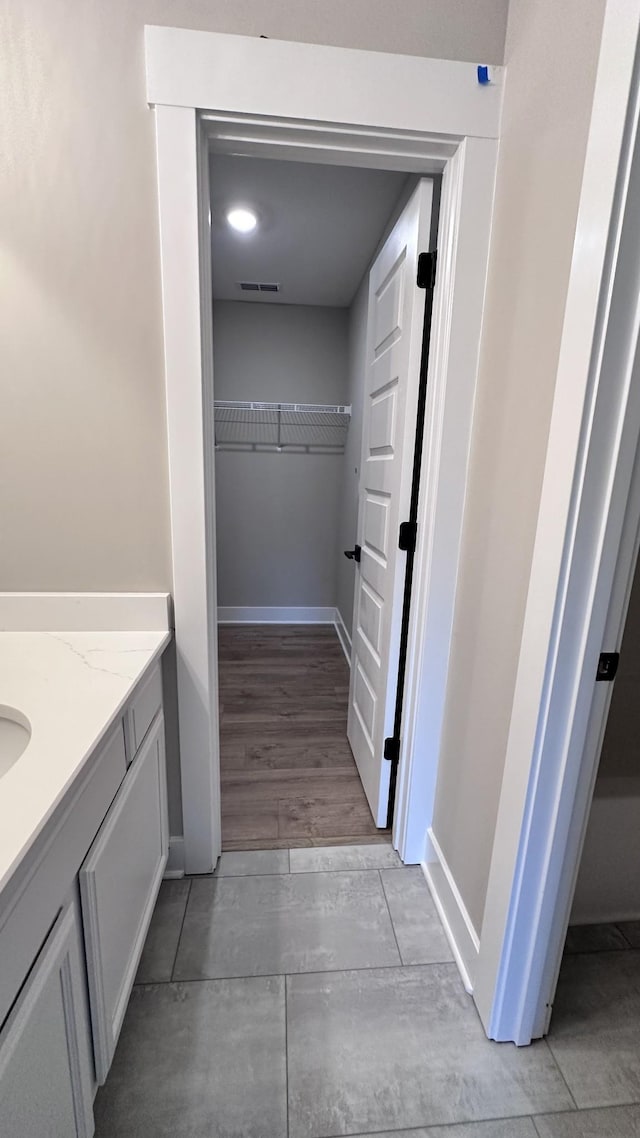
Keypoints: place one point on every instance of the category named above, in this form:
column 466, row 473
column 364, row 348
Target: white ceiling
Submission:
column 319, row 227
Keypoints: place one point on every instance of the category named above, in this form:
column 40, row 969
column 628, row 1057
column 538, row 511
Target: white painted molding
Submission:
column 343, row 636
column 244, row 74
column 175, row 860
column 187, row 336
column 549, row 771
column 85, row 612
column 456, row 922
column 274, row 614
column 343, row 107
column 463, row 253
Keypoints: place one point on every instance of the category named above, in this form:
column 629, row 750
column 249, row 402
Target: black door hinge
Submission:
column 392, row 749
column 427, row 269
column 407, row 536
column 607, row 665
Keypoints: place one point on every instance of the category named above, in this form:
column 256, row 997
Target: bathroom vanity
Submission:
column 83, row 848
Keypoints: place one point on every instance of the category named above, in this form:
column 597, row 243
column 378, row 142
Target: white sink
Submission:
column 15, row 732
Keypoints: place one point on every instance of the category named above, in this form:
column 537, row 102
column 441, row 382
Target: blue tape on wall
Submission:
column 483, row 74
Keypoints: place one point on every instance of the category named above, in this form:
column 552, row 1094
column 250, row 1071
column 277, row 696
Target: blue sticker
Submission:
column 483, row 73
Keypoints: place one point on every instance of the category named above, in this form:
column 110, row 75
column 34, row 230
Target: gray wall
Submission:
column 277, row 514
column 551, row 53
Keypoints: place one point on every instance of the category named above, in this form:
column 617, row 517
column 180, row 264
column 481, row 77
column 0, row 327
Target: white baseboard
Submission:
column 252, row 614
column 456, row 922
column 175, row 862
column 343, row 635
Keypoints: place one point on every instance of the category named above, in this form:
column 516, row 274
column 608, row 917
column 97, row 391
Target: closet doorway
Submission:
column 317, row 345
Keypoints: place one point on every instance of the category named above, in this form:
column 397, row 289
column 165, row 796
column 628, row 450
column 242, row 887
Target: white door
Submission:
column 394, row 343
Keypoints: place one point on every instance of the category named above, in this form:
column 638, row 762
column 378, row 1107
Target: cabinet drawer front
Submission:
column 45, row 1085
column 145, row 705
column 54, row 867
column 119, row 882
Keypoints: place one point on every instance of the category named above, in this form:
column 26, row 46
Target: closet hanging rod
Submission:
column 298, row 408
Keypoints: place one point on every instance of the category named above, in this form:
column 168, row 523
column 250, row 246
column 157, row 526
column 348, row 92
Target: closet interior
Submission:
column 605, row 916
column 289, row 335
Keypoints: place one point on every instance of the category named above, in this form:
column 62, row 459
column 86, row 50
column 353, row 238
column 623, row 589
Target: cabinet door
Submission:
column 119, row 883
column 45, row 1080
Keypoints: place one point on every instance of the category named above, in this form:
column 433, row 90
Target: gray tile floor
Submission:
column 311, row 993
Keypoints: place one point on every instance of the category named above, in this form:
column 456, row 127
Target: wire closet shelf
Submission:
column 305, row 428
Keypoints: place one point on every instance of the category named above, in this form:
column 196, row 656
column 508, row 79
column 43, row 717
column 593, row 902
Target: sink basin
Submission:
column 15, row 732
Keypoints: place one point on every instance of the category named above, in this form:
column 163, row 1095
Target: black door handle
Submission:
column 353, row 554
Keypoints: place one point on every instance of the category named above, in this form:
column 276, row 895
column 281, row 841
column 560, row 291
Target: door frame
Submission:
column 582, row 563
column 301, row 101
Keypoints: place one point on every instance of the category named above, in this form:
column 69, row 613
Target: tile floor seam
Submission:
column 393, row 927
column 184, row 917
column 561, row 1073
column 622, row 933
column 451, row 1125
column 286, row 1052
column 480, row 1121
column 294, row 873
column 291, row 975
column 356, row 869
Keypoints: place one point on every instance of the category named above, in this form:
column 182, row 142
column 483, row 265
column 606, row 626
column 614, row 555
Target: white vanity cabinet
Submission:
column 119, row 883
column 73, row 920
column 45, row 1075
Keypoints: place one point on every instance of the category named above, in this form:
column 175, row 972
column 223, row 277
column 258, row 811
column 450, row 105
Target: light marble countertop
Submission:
column 71, row 686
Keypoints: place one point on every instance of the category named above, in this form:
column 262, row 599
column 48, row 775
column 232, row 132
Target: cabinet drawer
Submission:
column 45, row 1080
column 119, row 882
column 53, row 866
column 145, row 705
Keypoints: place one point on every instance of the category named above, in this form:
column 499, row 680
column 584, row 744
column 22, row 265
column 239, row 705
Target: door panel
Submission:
column 394, row 341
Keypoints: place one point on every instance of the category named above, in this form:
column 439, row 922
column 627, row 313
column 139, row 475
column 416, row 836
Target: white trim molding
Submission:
column 340, row 106
column 276, row 614
column 249, row 75
column 456, row 922
column 175, row 860
column 549, row 775
column 343, row 636
column 192, row 502
column 463, row 254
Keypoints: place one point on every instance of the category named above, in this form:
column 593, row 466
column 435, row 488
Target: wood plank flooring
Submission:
column 288, row 774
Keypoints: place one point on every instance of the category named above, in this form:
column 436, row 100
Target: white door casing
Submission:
column 554, row 735
column 394, row 347
column 315, row 103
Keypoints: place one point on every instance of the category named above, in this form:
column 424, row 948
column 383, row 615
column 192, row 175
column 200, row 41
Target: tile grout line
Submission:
column 292, row 975
column 295, row 872
column 482, row 1121
column 561, row 1073
column 184, row 917
column 393, row 927
column 627, row 942
column 454, row 1125
column 286, row 1050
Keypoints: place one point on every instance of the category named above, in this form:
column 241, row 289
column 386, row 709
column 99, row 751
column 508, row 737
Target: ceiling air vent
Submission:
column 258, row 286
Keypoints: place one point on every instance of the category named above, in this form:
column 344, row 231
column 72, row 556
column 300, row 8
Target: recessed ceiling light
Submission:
column 242, row 220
